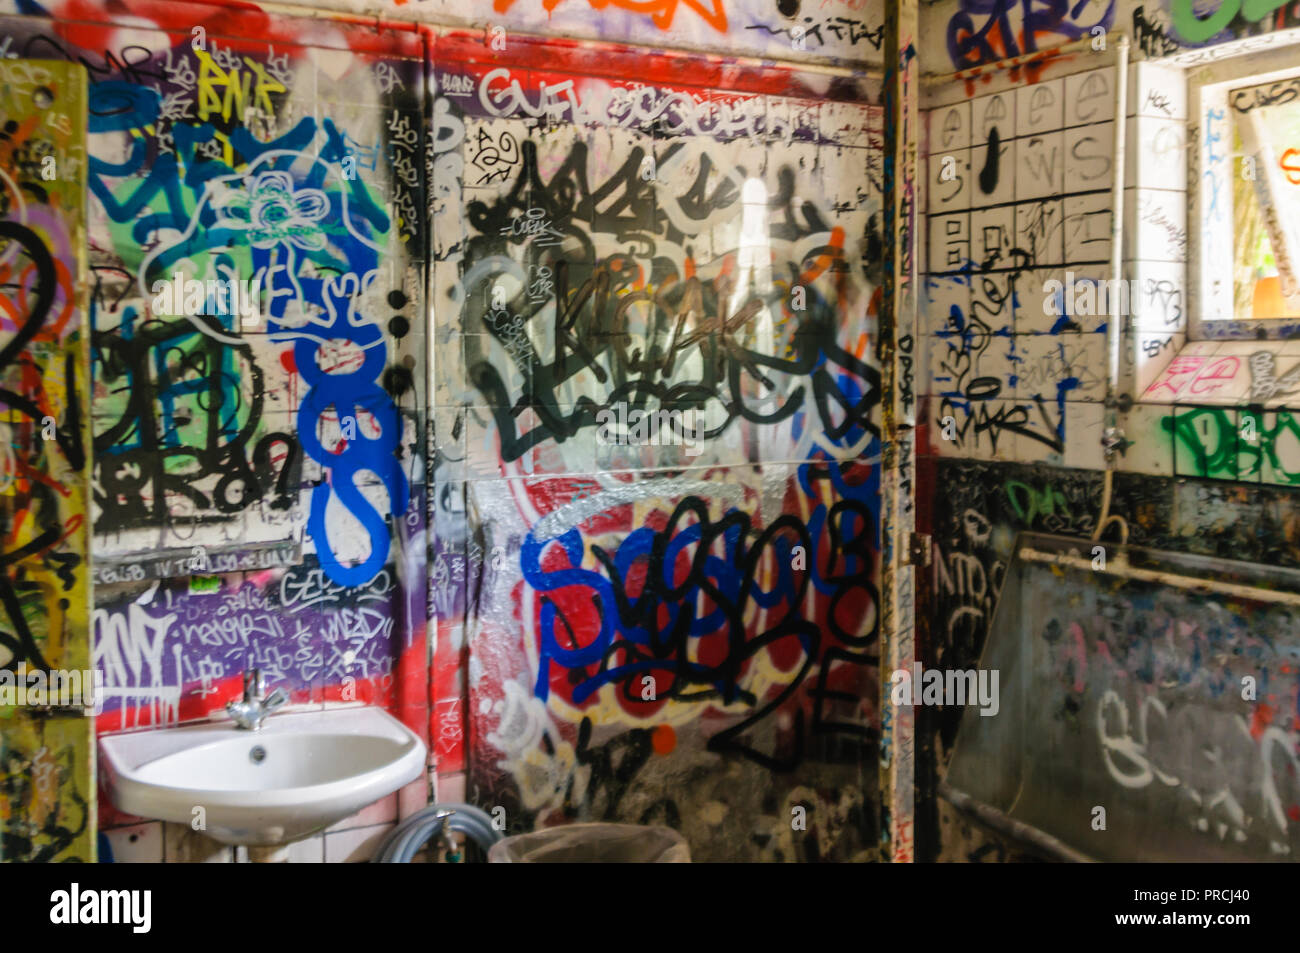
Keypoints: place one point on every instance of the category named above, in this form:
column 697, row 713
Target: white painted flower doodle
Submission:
column 273, row 212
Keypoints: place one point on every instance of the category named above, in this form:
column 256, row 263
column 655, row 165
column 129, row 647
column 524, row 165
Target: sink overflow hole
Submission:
column 257, row 755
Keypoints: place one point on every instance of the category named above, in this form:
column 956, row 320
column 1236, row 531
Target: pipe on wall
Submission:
column 1001, row 822
column 434, row 27
column 1011, row 62
column 1112, row 437
column 1120, row 567
column 430, row 434
column 1113, row 336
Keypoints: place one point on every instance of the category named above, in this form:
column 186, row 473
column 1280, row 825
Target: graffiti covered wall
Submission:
column 975, row 32
column 1015, row 381
column 256, row 235
column 1019, row 185
column 656, row 466
column 847, row 30
column 658, row 442
column 987, row 504
column 46, row 771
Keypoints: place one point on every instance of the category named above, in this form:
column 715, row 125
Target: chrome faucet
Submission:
column 252, row 711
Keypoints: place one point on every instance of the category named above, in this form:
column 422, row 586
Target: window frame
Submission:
column 1211, row 259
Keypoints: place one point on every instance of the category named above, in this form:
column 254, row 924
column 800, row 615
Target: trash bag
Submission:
column 593, row 844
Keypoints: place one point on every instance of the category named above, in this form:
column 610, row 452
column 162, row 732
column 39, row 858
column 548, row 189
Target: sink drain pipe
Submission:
column 401, row 846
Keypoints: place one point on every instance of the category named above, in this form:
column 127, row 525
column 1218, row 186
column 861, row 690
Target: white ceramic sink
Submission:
column 301, row 773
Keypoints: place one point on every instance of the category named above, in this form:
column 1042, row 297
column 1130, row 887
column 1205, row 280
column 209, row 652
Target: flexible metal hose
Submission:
column 414, row 832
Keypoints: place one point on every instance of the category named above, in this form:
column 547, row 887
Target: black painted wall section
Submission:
column 977, row 508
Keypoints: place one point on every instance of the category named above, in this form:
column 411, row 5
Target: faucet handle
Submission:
column 275, row 700
column 252, row 684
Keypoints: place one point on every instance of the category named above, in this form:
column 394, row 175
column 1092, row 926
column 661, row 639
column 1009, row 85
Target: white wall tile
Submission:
column 993, row 235
column 186, row 846
column 1225, row 379
column 1090, row 96
column 1156, row 153
column 993, row 182
column 950, row 127
column 1040, row 166
column 1088, row 314
column 1159, row 91
column 1274, row 374
column 1084, row 425
column 355, row 846
column 1050, row 360
column 1088, row 224
column 1040, row 231
column 137, row 844
column 1088, row 157
column 941, row 294
column 950, row 181
column 1283, row 428
column 949, row 241
column 309, row 850
column 1035, row 437
column 383, row 811
column 998, row 110
column 1156, row 224
column 990, row 303
column 1040, row 108
column 1151, row 450
column 1031, row 450
column 1160, row 304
